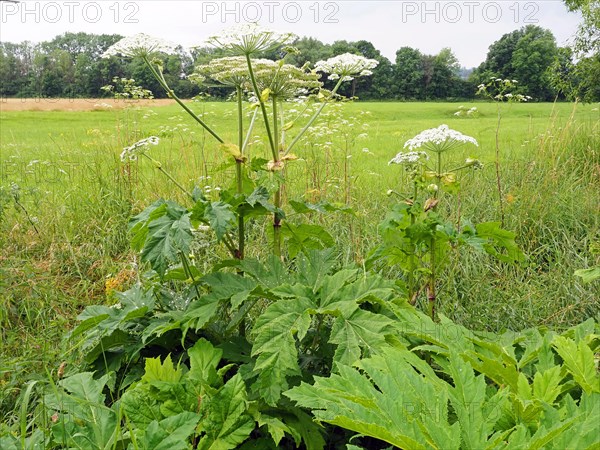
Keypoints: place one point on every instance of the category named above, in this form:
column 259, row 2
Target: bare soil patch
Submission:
column 74, row 104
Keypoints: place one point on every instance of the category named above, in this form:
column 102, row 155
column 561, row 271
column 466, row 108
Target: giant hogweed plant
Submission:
column 417, row 234
column 271, row 84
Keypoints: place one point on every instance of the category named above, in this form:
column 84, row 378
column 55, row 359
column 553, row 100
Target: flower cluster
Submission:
column 347, row 66
column 499, row 89
column 284, row 81
column 463, row 111
column 409, row 158
column 229, row 71
column 249, row 39
column 132, row 152
column 139, row 45
column 439, row 139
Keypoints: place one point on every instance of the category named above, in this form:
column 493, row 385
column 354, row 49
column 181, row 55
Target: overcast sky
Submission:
column 467, row 27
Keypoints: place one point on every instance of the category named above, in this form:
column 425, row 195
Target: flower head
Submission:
column 229, row 71
column 139, row 45
column 249, row 39
column 347, row 66
column 133, row 151
column 409, row 158
column 284, row 81
column 439, row 139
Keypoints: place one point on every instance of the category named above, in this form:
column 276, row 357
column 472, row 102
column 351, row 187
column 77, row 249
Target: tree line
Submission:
column 70, row 65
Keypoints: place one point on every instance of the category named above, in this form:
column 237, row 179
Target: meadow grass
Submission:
column 66, row 171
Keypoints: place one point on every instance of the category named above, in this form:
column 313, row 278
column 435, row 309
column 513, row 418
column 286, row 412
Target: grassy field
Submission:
column 65, row 200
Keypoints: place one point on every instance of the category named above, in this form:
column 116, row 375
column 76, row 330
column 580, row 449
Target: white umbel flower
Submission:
column 409, row 158
column 439, row 139
column 132, row 152
column 347, row 66
column 229, row 71
column 249, row 39
column 139, row 45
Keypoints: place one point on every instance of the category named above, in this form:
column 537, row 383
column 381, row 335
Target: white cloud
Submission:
column 467, row 27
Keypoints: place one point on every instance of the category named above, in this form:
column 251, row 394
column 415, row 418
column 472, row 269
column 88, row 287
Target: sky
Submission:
column 468, row 27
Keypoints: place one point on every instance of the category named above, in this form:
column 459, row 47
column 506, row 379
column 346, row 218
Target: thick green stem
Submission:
column 165, row 86
column 431, row 293
column 315, row 115
column 263, row 108
column 412, row 290
column 238, row 174
column 276, row 215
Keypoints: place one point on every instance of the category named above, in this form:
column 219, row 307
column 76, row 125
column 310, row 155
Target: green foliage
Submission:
column 524, row 55
column 397, row 397
column 81, row 419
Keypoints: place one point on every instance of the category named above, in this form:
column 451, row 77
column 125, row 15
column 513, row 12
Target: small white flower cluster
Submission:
column 463, row 111
column 347, row 66
column 439, row 139
column 409, row 158
column 249, row 39
column 132, row 152
column 139, row 45
column 513, row 97
column 501, row 88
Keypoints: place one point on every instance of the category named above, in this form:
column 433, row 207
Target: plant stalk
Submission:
column 160, row 78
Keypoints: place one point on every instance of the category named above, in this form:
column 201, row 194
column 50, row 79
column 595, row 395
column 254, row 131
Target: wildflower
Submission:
column 138, row 148
column 283, row 81
column 438, row 139
column 346, row 66
column 408, row 158
column 249, row 39
column 229, row 71
column 139, row 45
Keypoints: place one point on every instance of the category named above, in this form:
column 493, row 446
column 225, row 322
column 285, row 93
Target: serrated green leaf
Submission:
column 546, row 384
column 225, row 286
column 579, row 360
column 227, row 423
column 360, row 332
column 275, row 345
column 221, row 217
column 138, row 225
column 468, row 398
column 200, row 312
column 204, row 359
column 377, row 404
column 140, row 406
column 276, row 428
column 168, row 236
column 155, row 370
column 171, row 433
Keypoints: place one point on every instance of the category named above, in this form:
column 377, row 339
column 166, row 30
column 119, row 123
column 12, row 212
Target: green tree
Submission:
column 533, row 55
column 409, row 74
column 524, row 55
